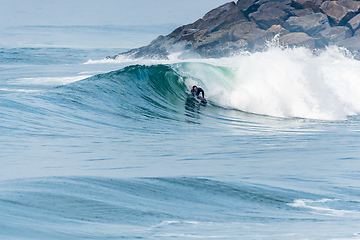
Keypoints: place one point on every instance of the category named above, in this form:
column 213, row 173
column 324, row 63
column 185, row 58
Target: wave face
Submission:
column 286, row 83
column 136, row 92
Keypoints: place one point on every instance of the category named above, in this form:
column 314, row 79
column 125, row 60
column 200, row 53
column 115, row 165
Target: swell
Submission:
column 80, row 207
column 82, row 202
column 137, row 92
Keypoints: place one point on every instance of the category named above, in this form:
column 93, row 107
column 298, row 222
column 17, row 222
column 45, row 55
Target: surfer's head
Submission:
column 195, row 87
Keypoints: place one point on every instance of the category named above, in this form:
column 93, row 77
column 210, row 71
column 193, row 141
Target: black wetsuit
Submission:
column 197, row 93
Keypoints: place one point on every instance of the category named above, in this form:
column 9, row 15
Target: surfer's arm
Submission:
column 203, row 93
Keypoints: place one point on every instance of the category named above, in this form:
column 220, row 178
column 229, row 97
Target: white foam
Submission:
column 286, row 82
column 323, row 210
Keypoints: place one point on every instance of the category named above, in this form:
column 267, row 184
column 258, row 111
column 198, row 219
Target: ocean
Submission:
column 98, row 148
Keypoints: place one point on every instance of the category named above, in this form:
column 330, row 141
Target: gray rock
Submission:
column 302, row 12
column 310, row 24
column 297, row 39
column 225, row 49
column 221, row 17
column 218, row 18
column 226, row 30
column 280, row 5
column 268, row 17
column 312, row 4
column 340, row 12
column 277, row 30
column 333, row 35
column 248, row 31
column 352, row 44
column 211, row 40
column 354, row 23
column 248, row 5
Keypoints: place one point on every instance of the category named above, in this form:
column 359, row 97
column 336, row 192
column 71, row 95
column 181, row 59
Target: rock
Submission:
column 211, row 39
column 218, row 18
column 268, row 17
column 333, row 35
column 250, row 24
column 277, row 30
column 340, row 12
column 311, row 4
column 352, row 44
column 310, row 24
column 297, row 39
column 225, row 49
column 221, row 17
column 248, row 6
column 248, row 31
column 280, row 5
column 302, row 12
column 354, row 23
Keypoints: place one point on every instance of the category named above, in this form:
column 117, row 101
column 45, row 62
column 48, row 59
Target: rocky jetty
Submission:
column 249, row 24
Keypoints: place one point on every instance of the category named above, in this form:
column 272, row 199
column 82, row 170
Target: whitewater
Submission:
column 101, row 148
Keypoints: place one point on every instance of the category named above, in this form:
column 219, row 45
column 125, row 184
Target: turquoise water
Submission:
column 118, row 149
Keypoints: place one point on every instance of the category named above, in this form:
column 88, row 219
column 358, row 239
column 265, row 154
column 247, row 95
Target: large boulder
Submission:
column 221, row 17
column 354, row 23
column 268, row 17
column 352, row 44
column 248, row 6
column 218, row 18
column 310, row 24
column 302, row 12
column 248, row 31
column 297, row 39
column 285, row 6
column 333, row 35
column 303, row 4
column 211, row 39
column 340, row 12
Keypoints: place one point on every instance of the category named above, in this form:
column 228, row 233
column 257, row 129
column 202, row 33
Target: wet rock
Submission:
column 340, row 12
column 297, row 39
column 310, row 24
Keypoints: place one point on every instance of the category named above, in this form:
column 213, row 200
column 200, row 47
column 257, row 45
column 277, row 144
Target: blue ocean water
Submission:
column 93, row 148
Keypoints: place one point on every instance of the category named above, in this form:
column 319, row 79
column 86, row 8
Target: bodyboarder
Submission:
column 195, row 91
